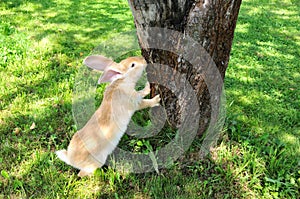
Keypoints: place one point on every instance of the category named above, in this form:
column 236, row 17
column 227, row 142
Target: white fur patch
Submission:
column 62, row 154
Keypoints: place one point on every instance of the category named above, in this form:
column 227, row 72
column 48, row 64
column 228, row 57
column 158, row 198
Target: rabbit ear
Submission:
column 97, row 62
column 110, row 75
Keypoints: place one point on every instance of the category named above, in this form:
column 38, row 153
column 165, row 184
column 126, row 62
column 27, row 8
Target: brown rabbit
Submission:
column 90, row 146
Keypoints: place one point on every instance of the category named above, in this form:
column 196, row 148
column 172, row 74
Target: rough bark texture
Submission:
column 209, row 22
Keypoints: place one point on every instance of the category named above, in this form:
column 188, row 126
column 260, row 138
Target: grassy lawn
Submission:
column 42, row 45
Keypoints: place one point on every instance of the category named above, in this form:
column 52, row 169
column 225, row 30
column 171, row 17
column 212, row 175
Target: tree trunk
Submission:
column 211, row 24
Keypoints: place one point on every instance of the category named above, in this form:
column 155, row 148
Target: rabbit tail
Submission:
column 62, row 154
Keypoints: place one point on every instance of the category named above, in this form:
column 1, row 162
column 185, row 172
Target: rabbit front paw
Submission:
column 155, row 101
column 146, row 90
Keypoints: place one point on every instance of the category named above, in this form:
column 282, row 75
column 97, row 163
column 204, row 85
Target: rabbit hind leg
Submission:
column 83, row 173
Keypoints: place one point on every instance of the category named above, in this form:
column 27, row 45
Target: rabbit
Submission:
column 90, row 146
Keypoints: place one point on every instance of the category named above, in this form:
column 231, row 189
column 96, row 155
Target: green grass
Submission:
column 42, row 45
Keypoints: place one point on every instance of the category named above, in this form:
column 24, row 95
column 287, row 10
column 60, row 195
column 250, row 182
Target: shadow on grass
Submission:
column 268, row 56
column 261, row 83
column 73, row 24
column 43, row 176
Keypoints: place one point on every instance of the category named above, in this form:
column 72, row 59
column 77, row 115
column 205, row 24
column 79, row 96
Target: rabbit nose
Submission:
column 144, row 61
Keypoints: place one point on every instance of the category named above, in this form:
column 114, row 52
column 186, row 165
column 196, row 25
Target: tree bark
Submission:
column 211, row 23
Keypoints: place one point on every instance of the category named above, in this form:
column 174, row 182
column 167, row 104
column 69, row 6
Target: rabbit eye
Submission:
column 132, row 65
